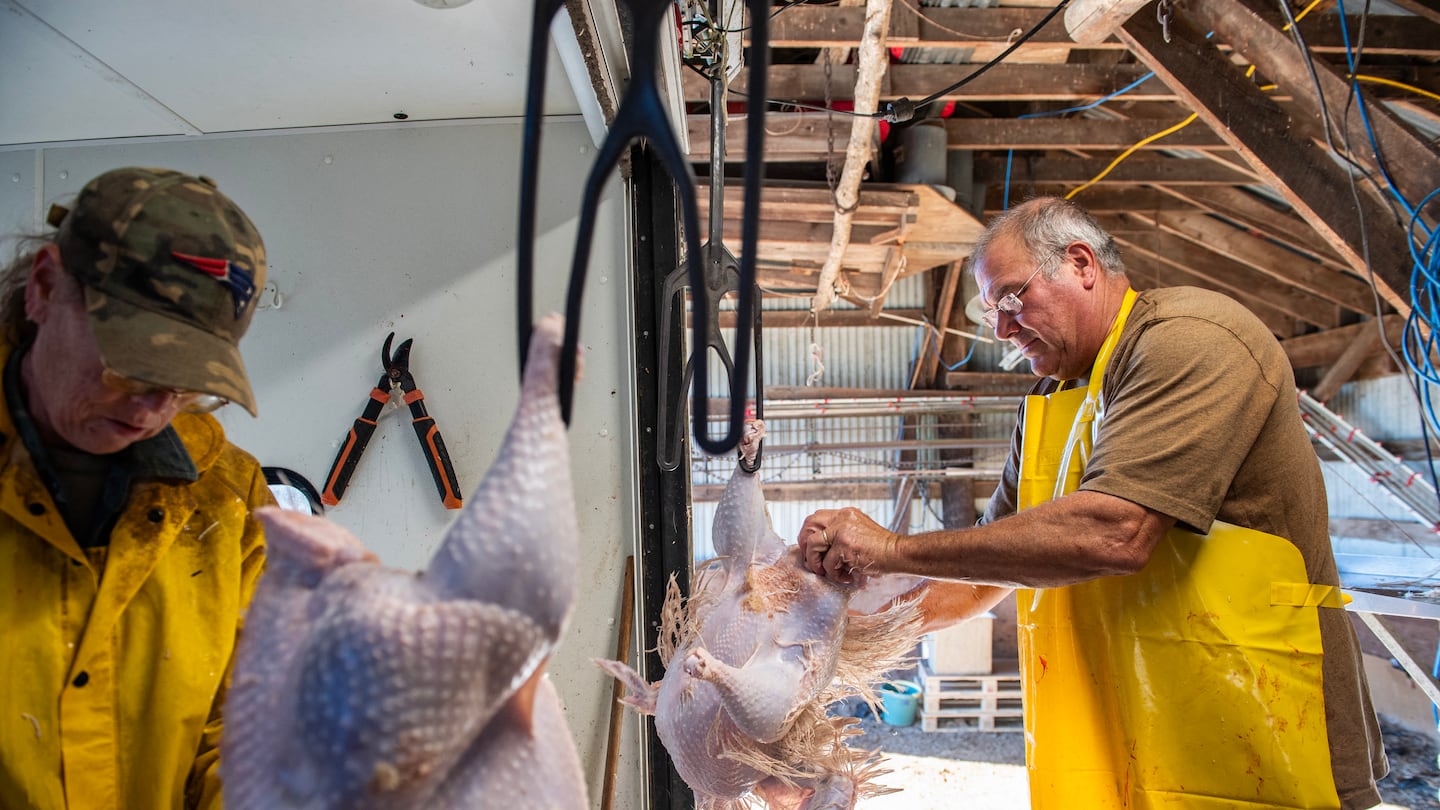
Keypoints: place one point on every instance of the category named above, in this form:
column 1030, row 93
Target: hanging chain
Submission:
column 1164, row 13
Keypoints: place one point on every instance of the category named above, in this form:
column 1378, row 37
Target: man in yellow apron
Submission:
column 1182, row 636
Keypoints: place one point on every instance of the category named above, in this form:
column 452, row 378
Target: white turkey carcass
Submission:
column 362, row 686
column 754, row 659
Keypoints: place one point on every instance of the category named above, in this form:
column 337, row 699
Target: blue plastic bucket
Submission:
column 898, row 702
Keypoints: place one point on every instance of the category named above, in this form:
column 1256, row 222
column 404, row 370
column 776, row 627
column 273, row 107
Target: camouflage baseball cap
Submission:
column 170, row 268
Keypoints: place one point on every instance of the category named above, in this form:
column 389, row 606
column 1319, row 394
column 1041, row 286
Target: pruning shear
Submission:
column 397, row 378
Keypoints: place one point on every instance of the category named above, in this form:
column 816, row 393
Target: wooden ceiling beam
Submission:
column 1325, row 348
column 800, row 137
column 1428, row 9
column 1277, row 262
column 1108, row 199
column 1149, row 270
column 1235, row 279
column 1251, row 30
column 1385, row 34
column 811, row 202
column 990, row 29
column 838, row 492
column 944, row 304
column 1069, row 133
column 978, row 28
column 1261, row 217
column 1161, row 171
column 1365, row 345
column 1243, row 115
column 1020, row 82
column 1090, row 22
column 840, row 318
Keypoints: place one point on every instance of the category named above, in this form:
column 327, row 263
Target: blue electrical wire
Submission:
column 1424, row 293
column 915, row 349
column 1010, row 154
column 1364, row 115
column 1424, row 309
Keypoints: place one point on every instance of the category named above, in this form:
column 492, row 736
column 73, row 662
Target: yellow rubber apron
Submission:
column 1194, row 683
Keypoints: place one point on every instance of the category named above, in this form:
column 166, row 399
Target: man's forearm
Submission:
column 1080, row 537
column 944, row 602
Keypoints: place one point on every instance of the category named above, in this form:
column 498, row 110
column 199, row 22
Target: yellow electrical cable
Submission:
column 1301, row 15
column 1250, row 71
column 1116, row 162
column 1392, row 83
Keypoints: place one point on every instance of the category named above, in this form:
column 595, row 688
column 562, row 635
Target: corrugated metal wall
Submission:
column 853, row 357
column 1385, row 409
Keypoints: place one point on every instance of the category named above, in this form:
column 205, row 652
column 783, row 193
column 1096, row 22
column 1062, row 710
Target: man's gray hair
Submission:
column 1045, row 227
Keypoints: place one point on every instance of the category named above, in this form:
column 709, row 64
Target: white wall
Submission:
column 412, row 229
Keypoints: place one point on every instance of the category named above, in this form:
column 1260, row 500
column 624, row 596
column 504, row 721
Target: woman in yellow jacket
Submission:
column 127, row 548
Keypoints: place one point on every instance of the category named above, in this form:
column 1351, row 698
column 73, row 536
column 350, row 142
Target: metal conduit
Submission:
column 896, row 444
column 1406, row 486
column 821, row 408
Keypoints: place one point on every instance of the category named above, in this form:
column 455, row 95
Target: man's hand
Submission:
column 844, row 545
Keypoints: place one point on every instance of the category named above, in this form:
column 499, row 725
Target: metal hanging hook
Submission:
column 641, row 114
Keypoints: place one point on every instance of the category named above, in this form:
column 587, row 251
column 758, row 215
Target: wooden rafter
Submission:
column 1244, row 116
column 1366, row 344
column 1068, row 83
column 1325, row 348
column 1090, row 22
column 989, row 29
column 1069, row 133
column 1272, row 260
column 1425, row 9
column 1260, row 217
column 835, row 318
column 1237, row 279
column 1137, row 169
column 1258, row 37
column 1149, row 269
column 945, row 305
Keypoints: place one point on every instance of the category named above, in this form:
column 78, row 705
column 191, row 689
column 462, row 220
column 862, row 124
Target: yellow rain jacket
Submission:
column 114, row 664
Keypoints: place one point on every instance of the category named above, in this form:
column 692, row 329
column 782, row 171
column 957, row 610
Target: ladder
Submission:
column 1406, row 486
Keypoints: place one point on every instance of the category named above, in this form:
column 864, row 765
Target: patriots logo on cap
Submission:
column 240, row 283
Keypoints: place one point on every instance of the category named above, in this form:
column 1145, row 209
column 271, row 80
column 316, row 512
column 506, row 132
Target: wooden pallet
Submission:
column 979, row 723
column 972, row 702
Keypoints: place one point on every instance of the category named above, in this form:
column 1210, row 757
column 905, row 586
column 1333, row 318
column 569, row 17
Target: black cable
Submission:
column 933, row 97
column 903, row 109
column 1412, row 379
column 1327, row 121
column 1425, row 433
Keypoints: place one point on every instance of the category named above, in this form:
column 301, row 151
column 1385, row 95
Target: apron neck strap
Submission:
column 1102, row 359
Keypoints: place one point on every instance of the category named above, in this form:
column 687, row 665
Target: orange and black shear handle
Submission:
column 397, row 376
